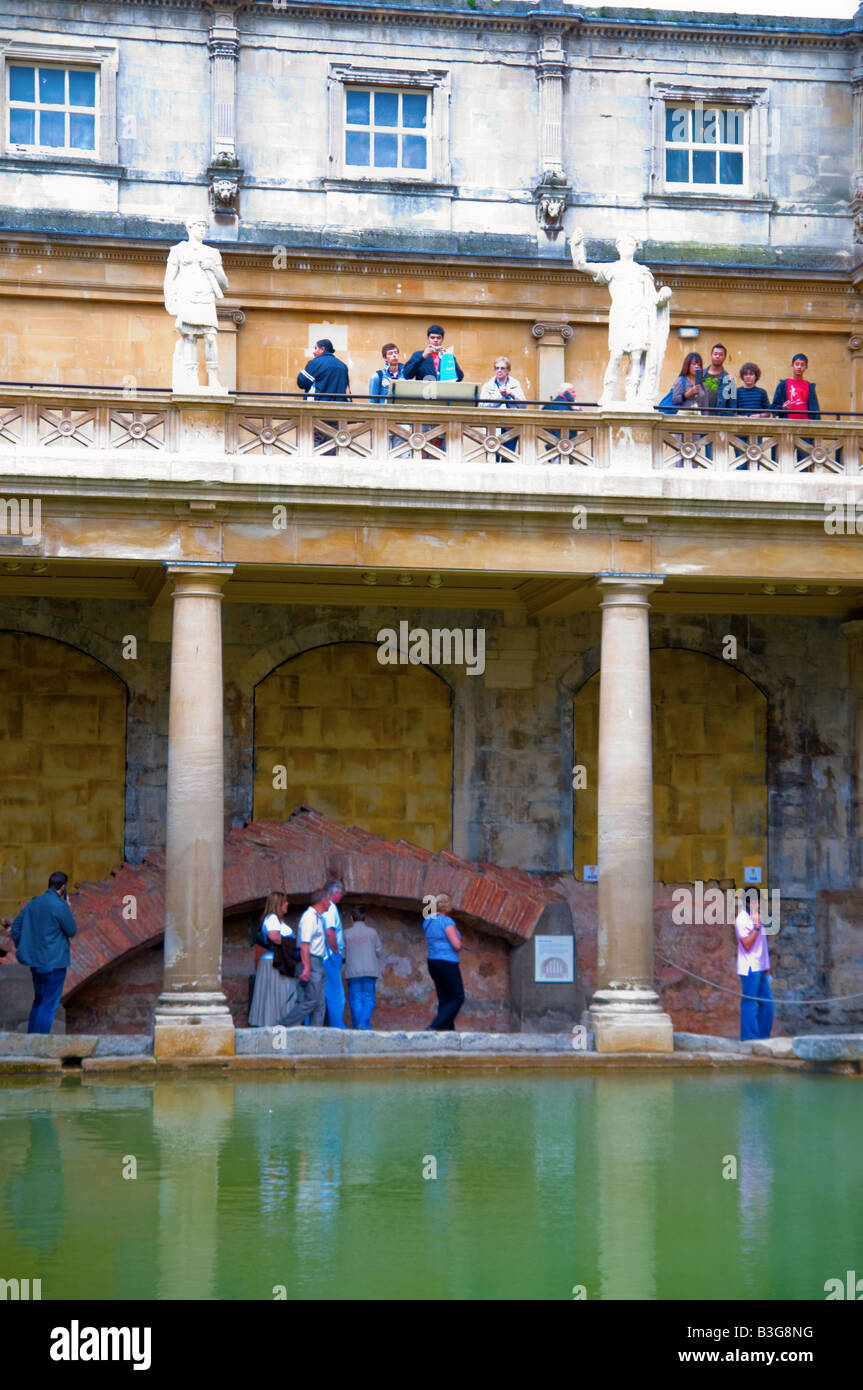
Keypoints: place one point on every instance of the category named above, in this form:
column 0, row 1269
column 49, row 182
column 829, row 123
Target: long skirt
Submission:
column 274, row 995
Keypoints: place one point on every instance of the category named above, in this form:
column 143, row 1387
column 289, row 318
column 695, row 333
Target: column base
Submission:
column 193, row 1025
column 630, row 1021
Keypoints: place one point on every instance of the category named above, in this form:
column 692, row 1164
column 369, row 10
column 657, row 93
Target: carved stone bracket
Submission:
column 224, row 172
column 551, row 198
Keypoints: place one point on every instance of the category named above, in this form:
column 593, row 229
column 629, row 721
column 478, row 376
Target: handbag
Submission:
column 666, row 406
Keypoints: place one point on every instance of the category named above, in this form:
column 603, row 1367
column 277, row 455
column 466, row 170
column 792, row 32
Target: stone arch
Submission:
column 62, row 764
column 367, row 744
column 710, row 768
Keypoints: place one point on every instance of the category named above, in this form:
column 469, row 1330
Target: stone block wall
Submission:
column 368, row 744
column 709, row 769
column 62, row 766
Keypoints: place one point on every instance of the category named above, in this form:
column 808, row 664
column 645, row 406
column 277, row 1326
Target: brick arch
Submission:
column 710, row 768
column 367, row 743
column 125, row 914
column 62, row 763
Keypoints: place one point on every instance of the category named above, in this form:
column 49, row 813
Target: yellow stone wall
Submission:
column 101, row 321
column 368, row 744
column 709, row 770
column 62, row 766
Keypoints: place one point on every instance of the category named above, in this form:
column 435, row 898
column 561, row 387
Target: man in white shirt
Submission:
column 334, row 958
column 753, row 967
column 313, row 948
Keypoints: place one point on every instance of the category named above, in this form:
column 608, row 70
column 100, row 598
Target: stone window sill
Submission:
column 58, row 164
column 718, row 201
column 395, row 185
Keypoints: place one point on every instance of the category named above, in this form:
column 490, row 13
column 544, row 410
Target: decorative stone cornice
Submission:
column 445, row 267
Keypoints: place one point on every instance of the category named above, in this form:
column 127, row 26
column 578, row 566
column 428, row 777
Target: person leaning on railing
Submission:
column 688, row 392
column 502, row 389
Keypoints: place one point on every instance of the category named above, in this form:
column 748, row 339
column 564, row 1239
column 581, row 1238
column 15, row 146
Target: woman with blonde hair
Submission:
column 444, row 946
column 276, row 989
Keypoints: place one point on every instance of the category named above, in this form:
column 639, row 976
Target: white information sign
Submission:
column 553, row 960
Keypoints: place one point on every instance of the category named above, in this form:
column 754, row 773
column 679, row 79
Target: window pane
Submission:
column 733, row 127
column 413, row 152
column 386, row 151
column 357, row 147
column 386, row 109
column 703, row 166
column 52, row 86
column 82, row 88
column 357, row 104
column 22, row 127
column 676, row 123
column 22, row 84
column 731, row 168
column 677, row 166
column 708, row 125
column 414, row 108
column 82, row 132
column 52, row 129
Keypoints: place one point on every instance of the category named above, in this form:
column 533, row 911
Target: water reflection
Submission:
column 191, row 1122
column 632, row 1129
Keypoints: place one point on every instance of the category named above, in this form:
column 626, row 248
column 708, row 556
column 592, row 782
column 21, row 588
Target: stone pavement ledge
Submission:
column 841, row 1053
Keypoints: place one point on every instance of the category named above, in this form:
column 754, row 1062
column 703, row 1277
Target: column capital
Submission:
column 853, row 631
column 540, row 329
column 631, row 589
column 203, row 580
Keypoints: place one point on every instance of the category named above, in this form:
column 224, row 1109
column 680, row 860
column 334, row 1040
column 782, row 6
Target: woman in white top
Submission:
column 275, row 993
column 502, row 389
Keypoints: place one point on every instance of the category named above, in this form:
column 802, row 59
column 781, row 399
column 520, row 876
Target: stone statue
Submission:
column 637, row 323
column 194, row 280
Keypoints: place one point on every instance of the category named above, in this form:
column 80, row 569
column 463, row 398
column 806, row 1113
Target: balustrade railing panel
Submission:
column 452, row 438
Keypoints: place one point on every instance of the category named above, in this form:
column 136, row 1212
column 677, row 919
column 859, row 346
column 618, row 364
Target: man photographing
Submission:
column 41, row 933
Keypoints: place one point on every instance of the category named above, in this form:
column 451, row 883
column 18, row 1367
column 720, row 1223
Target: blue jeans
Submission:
column 335, row 992
column 47, row 988
column 756, row 1006
column 361, row 994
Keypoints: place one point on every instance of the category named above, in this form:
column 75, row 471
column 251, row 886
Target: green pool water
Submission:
column 544, row 1183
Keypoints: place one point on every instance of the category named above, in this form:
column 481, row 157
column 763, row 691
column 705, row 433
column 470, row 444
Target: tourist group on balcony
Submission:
column 714, row 391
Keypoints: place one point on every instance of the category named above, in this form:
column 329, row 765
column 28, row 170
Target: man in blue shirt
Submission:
column 325, row 377
column 41, row 933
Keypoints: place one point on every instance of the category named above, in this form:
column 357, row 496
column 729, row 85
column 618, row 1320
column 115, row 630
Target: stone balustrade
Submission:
column 450, row 438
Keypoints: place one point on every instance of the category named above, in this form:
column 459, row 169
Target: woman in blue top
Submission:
column 444, row 945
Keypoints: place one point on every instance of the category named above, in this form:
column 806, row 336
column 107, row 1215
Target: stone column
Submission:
column 625, row 1011
column 853, row 632
column 231, row 321
column 192, row 1016
column 224, row 171
column 551, row 72
column 551, row 341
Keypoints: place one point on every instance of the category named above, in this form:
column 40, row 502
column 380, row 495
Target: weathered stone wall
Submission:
column 121, row 999
column 709, row 770
column 62, row 766
column 513, row 738
column 367, row 744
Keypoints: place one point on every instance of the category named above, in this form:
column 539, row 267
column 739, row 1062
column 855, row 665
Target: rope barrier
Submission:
column 780, row 1003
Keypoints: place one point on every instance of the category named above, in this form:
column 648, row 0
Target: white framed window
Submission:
column 387, row 129
column 706, row 147
column 709, row 143
column 389, row 124
column 51, row 108
column 59, row 100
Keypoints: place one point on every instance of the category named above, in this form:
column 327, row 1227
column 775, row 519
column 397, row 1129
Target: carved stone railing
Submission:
column 446, row 437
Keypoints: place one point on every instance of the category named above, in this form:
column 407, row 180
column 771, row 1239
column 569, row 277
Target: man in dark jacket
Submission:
column 426, row 362
column 326, row 376
column 41, row 933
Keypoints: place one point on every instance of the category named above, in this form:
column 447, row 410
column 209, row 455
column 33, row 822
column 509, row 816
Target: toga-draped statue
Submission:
column 637, row 322
column 194, row 280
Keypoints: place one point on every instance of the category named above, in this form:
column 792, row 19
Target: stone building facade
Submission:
column 366, row 169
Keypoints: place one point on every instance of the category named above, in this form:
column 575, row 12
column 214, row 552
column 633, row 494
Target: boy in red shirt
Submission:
column 795, row 397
